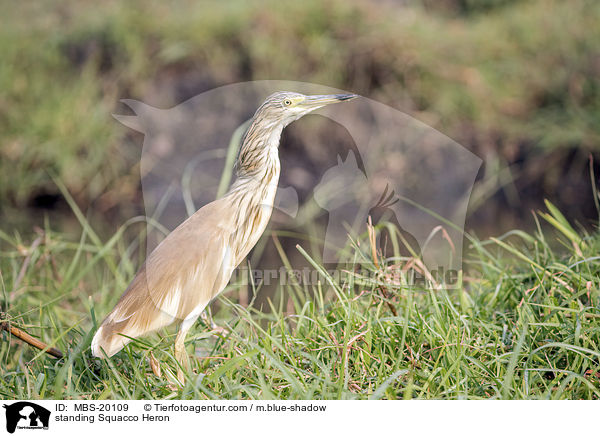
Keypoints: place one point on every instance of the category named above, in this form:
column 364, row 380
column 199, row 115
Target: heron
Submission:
column 194, row 263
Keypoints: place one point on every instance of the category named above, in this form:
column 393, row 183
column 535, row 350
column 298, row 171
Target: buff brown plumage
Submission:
column 193, row 264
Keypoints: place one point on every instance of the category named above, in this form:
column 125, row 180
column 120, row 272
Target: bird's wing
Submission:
column 180, row 277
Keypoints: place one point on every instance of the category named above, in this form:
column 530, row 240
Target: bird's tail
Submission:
column 110, row 338
column 126, row 322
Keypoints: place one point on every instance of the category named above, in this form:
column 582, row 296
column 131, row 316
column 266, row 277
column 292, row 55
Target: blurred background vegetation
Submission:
column 516, row 82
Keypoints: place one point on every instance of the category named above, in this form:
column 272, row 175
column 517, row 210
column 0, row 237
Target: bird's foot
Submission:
column 183, row 360
column 157, row 371
column 155, row 365
column 180, row 377
column 218, row 330
column 215, row 329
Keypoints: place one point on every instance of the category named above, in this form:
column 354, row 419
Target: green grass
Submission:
column 525, row 323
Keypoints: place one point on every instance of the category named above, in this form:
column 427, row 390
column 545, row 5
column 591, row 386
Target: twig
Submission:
column 55, row 352
column 373, row 243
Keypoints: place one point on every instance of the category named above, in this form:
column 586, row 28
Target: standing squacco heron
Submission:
column 194, row 263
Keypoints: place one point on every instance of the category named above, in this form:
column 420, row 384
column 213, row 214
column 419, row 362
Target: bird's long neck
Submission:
column 257, row 162
column 253, row 192
column 259, row 150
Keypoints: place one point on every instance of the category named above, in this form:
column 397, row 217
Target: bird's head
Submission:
column 276, row 112
column 284, row 107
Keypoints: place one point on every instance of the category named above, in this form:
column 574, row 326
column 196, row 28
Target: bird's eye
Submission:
column 287, row 102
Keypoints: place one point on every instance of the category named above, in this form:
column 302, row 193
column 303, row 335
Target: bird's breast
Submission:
column 255, row 208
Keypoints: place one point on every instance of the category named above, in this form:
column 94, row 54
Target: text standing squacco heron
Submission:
column 194, row 263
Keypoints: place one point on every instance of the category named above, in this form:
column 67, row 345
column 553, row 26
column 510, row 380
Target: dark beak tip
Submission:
column 344, row 97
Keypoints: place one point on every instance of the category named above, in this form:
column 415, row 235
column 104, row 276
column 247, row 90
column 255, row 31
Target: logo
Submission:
column 26, row 415
column 347, row 170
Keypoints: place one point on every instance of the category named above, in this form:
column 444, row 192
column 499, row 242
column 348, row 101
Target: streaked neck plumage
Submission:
column 253, row 192
column 258, row 159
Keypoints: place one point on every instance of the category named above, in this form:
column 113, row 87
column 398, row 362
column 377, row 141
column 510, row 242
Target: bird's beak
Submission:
column 314, row 101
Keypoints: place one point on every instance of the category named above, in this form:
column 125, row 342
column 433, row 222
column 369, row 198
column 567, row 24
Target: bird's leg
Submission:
column 208, row 320
column 180, row 353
